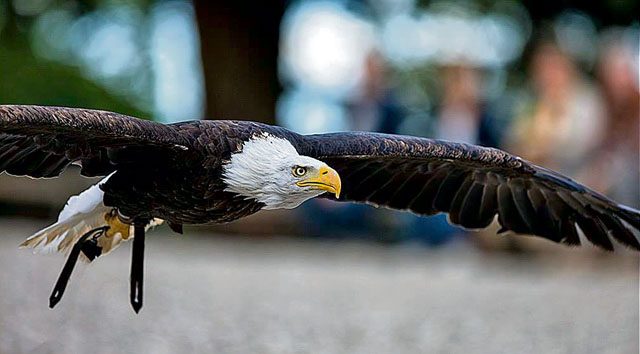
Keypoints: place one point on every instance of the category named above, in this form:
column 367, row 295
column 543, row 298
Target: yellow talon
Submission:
column 116, row 226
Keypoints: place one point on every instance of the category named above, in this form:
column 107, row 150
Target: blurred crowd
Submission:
column 580, row 120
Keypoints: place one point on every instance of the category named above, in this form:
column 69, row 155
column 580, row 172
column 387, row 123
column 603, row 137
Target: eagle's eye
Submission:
column 299, row 171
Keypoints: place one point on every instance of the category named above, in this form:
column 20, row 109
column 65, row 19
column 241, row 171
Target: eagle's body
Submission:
column 204, row 172
column 185, row 185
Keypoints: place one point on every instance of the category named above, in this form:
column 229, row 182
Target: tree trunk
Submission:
column 239, row 45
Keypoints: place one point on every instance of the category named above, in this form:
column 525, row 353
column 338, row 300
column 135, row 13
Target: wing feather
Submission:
column 469, row 214
column 41, row 141
column 403, row 196
column 489, row 204
column 451, row 184
column 422, row 202
column 459, row 199
column 509, row 216
column 473, row 184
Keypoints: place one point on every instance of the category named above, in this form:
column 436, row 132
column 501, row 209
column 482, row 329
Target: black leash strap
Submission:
column 63, row 278
column 137, row 267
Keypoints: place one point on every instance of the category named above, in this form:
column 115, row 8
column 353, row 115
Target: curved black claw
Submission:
column 137, row 267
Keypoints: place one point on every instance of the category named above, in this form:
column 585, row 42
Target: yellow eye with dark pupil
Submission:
column 299, row 171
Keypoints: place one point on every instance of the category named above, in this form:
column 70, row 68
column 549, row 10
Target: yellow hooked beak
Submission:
column 327, row 180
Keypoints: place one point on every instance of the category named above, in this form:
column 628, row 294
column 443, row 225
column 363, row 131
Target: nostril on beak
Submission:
column 325, row 172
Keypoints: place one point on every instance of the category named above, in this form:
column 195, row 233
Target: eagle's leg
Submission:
column 137, row 266
column 65, row 274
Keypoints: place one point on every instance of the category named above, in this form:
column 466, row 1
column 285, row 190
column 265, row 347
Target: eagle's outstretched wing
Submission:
column 472, row 184
column 41, row 141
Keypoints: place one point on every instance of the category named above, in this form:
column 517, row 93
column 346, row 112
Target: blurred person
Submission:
column 617, row 157
column 375, row 108
column 462, row 116
column 564, row 123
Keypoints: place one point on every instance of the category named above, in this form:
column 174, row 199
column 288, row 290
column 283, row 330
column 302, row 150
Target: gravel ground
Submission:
column 281, row 295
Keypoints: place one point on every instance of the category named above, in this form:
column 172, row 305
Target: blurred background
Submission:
column 555, row 82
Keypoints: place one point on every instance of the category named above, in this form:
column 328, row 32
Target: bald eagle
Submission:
column 204, row 172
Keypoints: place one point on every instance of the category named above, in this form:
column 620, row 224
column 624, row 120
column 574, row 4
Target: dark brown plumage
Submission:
column 173, row 172
column 473, row 184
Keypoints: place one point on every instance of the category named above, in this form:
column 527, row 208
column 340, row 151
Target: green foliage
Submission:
column 29, row 80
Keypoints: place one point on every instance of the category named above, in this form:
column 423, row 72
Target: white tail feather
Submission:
column 61, row 236
column 82, row 213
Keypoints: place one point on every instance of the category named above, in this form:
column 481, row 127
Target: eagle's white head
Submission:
column 270, row 170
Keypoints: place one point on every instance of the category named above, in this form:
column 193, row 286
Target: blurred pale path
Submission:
column 242, row 295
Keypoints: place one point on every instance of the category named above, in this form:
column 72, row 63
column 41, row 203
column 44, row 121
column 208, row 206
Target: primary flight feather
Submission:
column 203, row 172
